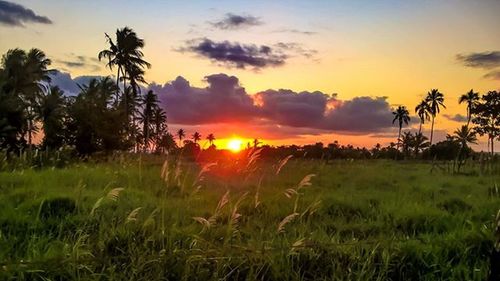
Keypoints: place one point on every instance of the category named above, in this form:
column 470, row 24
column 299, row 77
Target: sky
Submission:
column 281, row 71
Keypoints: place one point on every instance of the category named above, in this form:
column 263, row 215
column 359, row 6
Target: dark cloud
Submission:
column 70, row 85
column 81, row 62
column 225, row 101
column 12, row 14
column 494, row 75
column 232, row 21
column 295, row 31
column 485, row 60
column 456, row 117
column 236, row 54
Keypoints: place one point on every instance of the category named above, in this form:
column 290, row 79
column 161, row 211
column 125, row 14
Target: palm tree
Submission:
column 150, row 102
column 402, row 115
column 434, row 100
column 211, row 139
column 256, row 143
column 181, row 134
column 196, row 137
column 422, row 110
column 51, row 112
column 472, row 99
column 125, row 54
column 160, row 124
column 26, row 75
column 420, row 142
column 464, row 136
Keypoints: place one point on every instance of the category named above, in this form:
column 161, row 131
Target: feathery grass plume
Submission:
column 257, row 193
column 253, row 157
column 222, row 202
column 290, row 192
column 164, row 171
column 312, row 209
column 306, row 181
column 282, row 163
column 97, row 204
column 150, row 221
column 203, row 171
column 298, row 245
column 285, row 221
column 178, row 172
column 133, row 215
column 203, row 221
column 114, row 193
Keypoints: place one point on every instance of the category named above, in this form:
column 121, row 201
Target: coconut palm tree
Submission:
column 150, row 102
column 160, row 124
column 401, row 115
column 25, row 75
column 464, row 135
column 472, row 99
column 51, row 112
column 435, row 100
column 422, row 110
column 196, row 137
column 125, row 53
column 211, row 139
column 420, row 142
column 181, row 134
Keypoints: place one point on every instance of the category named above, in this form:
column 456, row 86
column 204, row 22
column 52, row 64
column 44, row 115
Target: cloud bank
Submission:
column 12, row 14
column 225, row 101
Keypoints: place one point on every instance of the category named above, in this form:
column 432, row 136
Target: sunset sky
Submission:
column 281, row 71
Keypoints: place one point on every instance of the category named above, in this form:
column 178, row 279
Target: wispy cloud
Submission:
column 73, row 61
column 295, row 31
column 12, row 14
column 494, row 75
column 233, row 21
column 486, row 60
column 456, row 117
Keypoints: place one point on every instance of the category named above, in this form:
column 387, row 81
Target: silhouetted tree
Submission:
column 181, row 134
column 487, row 117
column 196, row 137
column 401, row 115
column 435, row 100
column 422, row 110
column 52, row 113
column 211, row 139
column 472, row 99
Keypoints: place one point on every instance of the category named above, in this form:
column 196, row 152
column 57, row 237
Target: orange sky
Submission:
column 395, row 49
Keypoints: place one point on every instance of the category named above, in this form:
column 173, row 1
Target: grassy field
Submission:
column 131, row 219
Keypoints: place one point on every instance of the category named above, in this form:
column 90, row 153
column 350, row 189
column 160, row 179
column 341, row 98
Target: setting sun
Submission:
column 235, row 145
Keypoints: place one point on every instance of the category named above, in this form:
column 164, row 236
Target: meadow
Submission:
column 158, row 218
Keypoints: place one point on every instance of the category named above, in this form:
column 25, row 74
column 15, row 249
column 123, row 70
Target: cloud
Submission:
column 232, row 21
column 70, row 85
column 486, row 60
column 457, row 117
column 296, row 48
column 494, row 75
column 79, row 62
column 235, row 54
column 12, row 14
column 225, row 101
column 295, row 31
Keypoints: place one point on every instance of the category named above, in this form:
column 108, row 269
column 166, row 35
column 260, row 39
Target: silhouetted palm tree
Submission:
column 434, row 99
column 472, row 99
column 401, row 115
column 127, row 56
column 196, row 137
column 51, row 112
column 422, row 110
column 211, row 139
column 420, row 142
column 256, row 143
column 181, row 134
column 150, row 102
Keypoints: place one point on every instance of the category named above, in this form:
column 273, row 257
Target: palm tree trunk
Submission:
column 420, row 128
column 399, row 136
column 432, row 129
column 468, row 116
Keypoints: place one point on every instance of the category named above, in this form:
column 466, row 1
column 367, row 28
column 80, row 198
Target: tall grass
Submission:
column 246, row 219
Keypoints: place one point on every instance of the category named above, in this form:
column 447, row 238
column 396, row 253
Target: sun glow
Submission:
column 235, row 145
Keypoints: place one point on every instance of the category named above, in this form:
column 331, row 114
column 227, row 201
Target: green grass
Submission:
column 362, row 220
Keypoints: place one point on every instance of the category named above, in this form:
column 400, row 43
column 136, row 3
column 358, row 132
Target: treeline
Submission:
column 106, row 115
